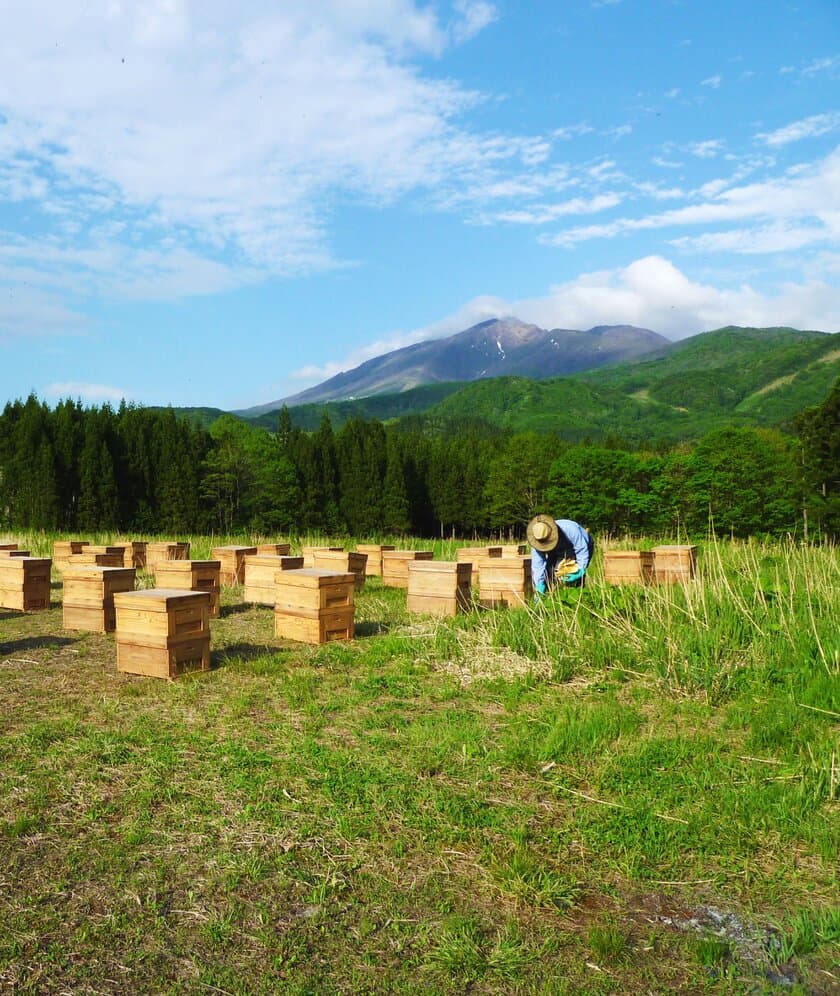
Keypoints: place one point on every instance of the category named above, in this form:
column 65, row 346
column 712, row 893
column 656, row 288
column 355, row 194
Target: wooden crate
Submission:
column 88, row 598
column 314, row 605
column 343, row 561
column 25, row 583
column 62, row 550
column 374, row 557
column 192, row 575
column 259, row 575
column 159, row 551
column 232, row 559
column 439, row 587
column 308, row 553
column 134, row 553
column 674, row 563
column 163, row 632
column 473, row 554
column 514, row 549
column 505, row 581
column 274, row 549
column 628, row 566
column 100, row 557
column 395, row 565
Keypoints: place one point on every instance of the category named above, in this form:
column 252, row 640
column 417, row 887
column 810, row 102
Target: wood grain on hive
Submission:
column 374, row 557
column 344, row 562
column 505, row 582
column 674, row 564
column 628, row 566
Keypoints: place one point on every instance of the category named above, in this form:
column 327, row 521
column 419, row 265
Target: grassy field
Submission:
column 620, row 791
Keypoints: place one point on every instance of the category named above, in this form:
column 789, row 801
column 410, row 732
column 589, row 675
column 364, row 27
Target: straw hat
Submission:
column 543, row 533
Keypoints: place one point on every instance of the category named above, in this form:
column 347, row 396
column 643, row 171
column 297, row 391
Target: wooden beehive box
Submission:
column 628, row 566
column 308, row 553
column 505, row 581
column 439, row 587
column 395, row 565
column 163, row 632
column 344, row 562
column 88, row 600
column 100, row 556
column 473, row 554
column 314, row 605
column 274, row 549
column 25, row 583
column 514, row 549
column 5, row 547
column 63, row 549
column 159, row 551
column 260, row 570
column 232, row 559
column 674, row 563
column 192, row 575
column 374, row 557
column 134, row 553
column 15, row 553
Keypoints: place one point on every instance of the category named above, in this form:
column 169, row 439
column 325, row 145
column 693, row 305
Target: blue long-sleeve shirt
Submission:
column 575, row 544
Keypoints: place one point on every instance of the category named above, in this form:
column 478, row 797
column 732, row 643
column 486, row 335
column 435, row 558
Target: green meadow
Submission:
column 619, row 790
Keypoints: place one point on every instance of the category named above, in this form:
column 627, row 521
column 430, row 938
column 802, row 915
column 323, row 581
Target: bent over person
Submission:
column 561, row 550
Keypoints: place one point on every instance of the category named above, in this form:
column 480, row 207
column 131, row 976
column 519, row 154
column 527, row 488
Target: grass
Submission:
column 623, row 790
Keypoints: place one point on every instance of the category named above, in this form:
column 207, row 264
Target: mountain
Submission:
column 498, row 347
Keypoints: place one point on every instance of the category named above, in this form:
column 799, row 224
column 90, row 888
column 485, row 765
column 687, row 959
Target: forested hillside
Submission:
column 132, row 469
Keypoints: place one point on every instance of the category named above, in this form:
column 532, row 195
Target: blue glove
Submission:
column 571, row 578
column 541, row 588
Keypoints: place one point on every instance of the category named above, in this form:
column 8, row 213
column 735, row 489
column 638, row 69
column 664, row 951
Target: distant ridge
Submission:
column 494, row 348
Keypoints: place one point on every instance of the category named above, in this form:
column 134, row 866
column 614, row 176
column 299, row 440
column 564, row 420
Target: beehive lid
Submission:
column 673, row 549
column 159, row 599
column 313, row 577
column 93, row 572
column 407, row 554
column 233, row 548
column 8, row 546
column 17, row 563
column 185, row 566
column 439, row 567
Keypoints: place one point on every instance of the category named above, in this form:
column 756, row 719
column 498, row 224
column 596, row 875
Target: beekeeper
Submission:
column 561, row 550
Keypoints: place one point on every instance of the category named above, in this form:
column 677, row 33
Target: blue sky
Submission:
column 222, row 204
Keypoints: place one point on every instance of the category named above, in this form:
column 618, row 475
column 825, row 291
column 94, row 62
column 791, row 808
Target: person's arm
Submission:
column 581, row 543
column 539, row 571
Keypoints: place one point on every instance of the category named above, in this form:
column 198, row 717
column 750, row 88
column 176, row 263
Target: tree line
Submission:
column 133, row 469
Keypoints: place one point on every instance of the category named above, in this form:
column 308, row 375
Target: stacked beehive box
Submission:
column 25, row 583
column 160, row 551
column 314, row 605
column 474, row 554
column 274, row 549
column 260, row 571
column 674, row 563
column 101, row 556
column 514, row 549
column 134, row 554
column 505, row 581
column 88, row 601
column 395, row 565
column 439, row 587
column 63, row 549
column 374, row 557
column 343, row 562
column 308, row 553
column 628, row 566
column 163, row 632
column 192, row 575
column 232, row 559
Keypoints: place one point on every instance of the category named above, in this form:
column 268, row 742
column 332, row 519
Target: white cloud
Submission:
column 806, row 198
column 712, row 81
column 811, row 127
column 473, row 17
column 673, row 93
column 541, row 214
column 829, row 65
column 73, row 389
column 706, row 150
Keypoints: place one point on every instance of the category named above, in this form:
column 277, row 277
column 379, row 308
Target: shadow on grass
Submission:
column 34, row 643
column 372, row 628
column 239, row 651
column 232, row 610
